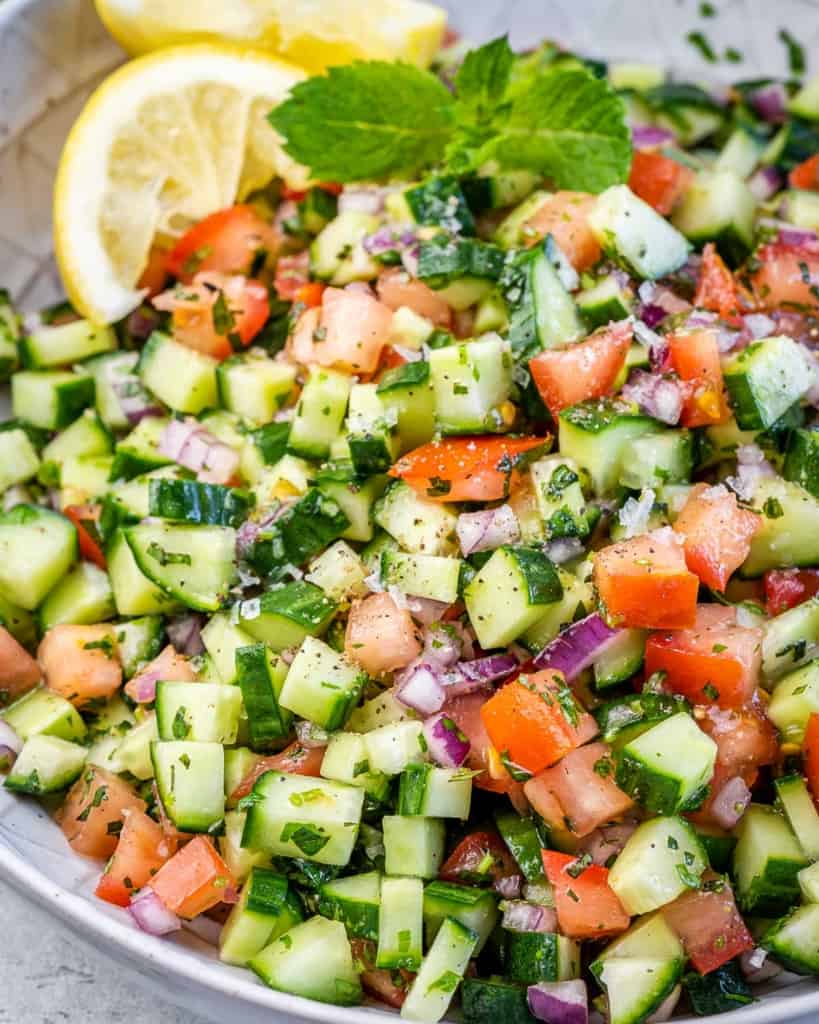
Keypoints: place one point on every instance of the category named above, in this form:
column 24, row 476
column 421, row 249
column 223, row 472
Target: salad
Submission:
column 422, row 582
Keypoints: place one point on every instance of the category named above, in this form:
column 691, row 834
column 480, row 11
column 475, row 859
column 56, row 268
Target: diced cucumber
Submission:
column 428, row 576
column 476, row 909
column 84, row 478
column 376, row 712
column 42, row 712
column 372, row 434
column 656, row 459
column 18, row 621
column 794, row 700
column 139, row 452
column 596, row 435
column 789, row 534
column 660, row 860
column 182, row 378
column 19, row 460
column 718, row 207
column 197, row 503
column 802, row 460
column 471, row 382
column 190, row 778
column 198, row 712
column 419, row 526
column 605, row 301
column 521, row 837
column 239, row 762
column 339, row 572
column 509, row 593
column 115, row 379
column 740, row 154
column 531, row 957
column 355, row 901
column 440, row 973
column 37, row 548
column 790, row 640
column 134, row 593
column 765, row 379
column 623, row 719
column 261, row 675
column 321, row 685
column 313, row 960
column 83, row 596
column 392, row 748
column 319, row 413
column 85, row 436
column 493, row 189
column 434, row 792
column 636, row 987
column 345, row 760
column 801, row 208
column 240, row 861
column 254, row 386
column 806, row 101
column 649, row 936
column 50, row 399
column 406, row 392
column 134, row 752
column 222, row 639
column 46, row 764
column 633, row 233
column 488, row 1000
column 354, row 497
column 413, row 846
column 797, row 805
column 512, row 232
column 560, row 501
column 335, row 242
column 64, row 344
column 767, row 861
column 794, row 941
column 621, row 659
column 283, row 617
column 809, row 883
column 266, row 908
column 576, row 602
column 10, row 334
column 400, row 923
column 299, row 816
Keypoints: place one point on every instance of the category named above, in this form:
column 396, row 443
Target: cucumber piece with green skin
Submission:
column 440, row 973
column 313, row 960
column 134, row 592
column 46, row 764
column 806, row 101
column 139, row 452
column 489, row 1000
column 794, row 700
column 667, row 767
column 239, row 762
column 260, row 675
column 319, row 413
column 794, row 940
column 392, row 748
column 596, row 433
column 222, row 640
column 19, row 460
column 530, row 957
column 432, row 792
column 134, row 752
column 400, row 924
column 377, row 712
column 509, row 593
column 271, row 441
column 10, row 334
column 797, row 805
column 413, row 846
column 621, row 659
column 438, row 201
column 197, row 712
column 475, row 908
column 193, row 564
column 767, row 861
column 337, row 240
column 740, row 154
column 85, row 436
column 50, row 399
column 240, row 861
column 18, row 621
column 790, row 640
column 65, row 344
column 428, row 576
column 498, row 189
column 512, row 231
column 83, row 596
column 765, row 379
column 605, row 301
column 372, row 434
column 634, row 234
column 42, row 712
column 656, row 459
column 719, row 848
column 560, row 501
column 789, row 534
column 407, row 390
column 355, row 901
column 809, row 883
column 283, row 617
column 471, row 382
column 37, row 548
column 84, row 477
column 492, row 314
column 636, row 987
column 649, row 936
column 355, row 497
column 114, row 375
column 267, row 908
column 523, row 842
column 321, row 685
column 339, row 572
column 254, row 386
column 623, row 719
column 802, row 209
column 201, row 504
column 190, row 778
column 346, row 760
column 317, row 209
column 660, row 860
column 299, row 816
column 185, row 380
column 802, row 460
column 444, row 261
column 718, row 207
column 419, row 526
column 576, row 602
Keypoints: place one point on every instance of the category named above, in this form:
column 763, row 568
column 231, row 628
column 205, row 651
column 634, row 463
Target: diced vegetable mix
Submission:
column 428, row 573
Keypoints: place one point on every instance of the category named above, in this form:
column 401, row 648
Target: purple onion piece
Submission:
column 447, row 745
column 143, row 322
column 397, row 238
column 655, row 395
column 559, row 1002
column 486, row 530
column 246, row 537
column 151, row 914
column 798, row 238
column 766, row 182
column 409, row 257
column 489, row 669
column 425, row 610
column 520, row 916
column 309, row 734
column 729, row 804
column 607, row 842
column 442, row 645
column 759, row 325
column 509, row 887
column 575, row 648
column 651, row 314
column 184, row 632
column 648, row 136
column 770, row 102
column 420, row 688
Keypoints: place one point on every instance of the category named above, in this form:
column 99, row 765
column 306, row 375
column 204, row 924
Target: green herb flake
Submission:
column 698, row 40
column 796, row 53
column 310, row 839
column 163, row 557
column 446, row 982
column 180, row 728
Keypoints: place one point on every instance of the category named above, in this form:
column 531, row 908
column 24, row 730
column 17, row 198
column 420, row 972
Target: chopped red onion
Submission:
column 509, row 887
column 442, row 644
column 798, row 238
column 752, row 466
column 607, row 841
column 419, row 687
column 730, row 802
column 362, row 199
column 488, row 529
column 309, row 734
column 425, row 610
column 409, row 258
column 246, row 537
column 657, row 396
column 489, row 669
column 658, row 351
column 395, row 238
column 766, row 182
column 142, row 322
column 757, row 965
column 666, row 1008
column 519, row 916
column 770, row 102
column 446, row 744
column 759, row 325
column 635, row 514
column 9, row 738
column 134, row 401
column 649, row 136
column 184, row 632
column 576, row 648
column 651, row 314
column 151, row 915
column 559, row 1002
column 189, row 444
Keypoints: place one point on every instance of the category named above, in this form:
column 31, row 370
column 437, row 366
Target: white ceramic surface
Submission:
column 52, row 52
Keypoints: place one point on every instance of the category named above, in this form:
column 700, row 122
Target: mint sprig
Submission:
column 374, row 120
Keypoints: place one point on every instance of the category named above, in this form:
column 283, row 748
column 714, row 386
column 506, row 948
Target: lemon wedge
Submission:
column 312, row 33
column 164, row 141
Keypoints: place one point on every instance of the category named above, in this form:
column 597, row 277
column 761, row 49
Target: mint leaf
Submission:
column 568, row 126
column 366, row 121
column 483, row 77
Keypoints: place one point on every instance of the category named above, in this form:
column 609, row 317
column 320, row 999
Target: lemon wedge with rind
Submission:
column 164, row 141
column 311, row 33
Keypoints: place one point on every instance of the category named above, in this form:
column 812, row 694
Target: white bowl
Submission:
column 52, row 53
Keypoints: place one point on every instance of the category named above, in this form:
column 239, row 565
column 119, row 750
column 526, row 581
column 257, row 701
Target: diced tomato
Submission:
column 806, row 174
column 745, row 737
column 695, row 358
column 644, row 582
column 168, row 664
column 19, row 672
column 140, row 853
column 155, row 274
column 587, row 369
column 396, row 289
column 83, row 517
column 296, row 759
column 81, row 662
column 587, row 906
column 390, row 360
column 535, row 720
column 193, row 880
column 292, row 272
column 381, row 637
column 786, row 588
column 787, row 275
column 468, row 468
column 94, row 806
column 310, row 294
column 717, row 533
column 709, row 925
column 565, row 216
column 587, row 795
column 716, row 288
column 658, row 180
column 216, row 312
column 479, row 857
column 715, row 662
column 348, row 331
column 810, row 753
column 227, row 242
column 465, row 712
column 389, row 987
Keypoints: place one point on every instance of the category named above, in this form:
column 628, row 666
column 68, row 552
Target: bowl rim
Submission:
column 148, row 953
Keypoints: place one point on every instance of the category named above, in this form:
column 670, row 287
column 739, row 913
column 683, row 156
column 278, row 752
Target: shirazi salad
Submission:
column 422, row 581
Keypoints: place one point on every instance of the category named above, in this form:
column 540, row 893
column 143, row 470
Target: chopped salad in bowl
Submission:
column 420, row 576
